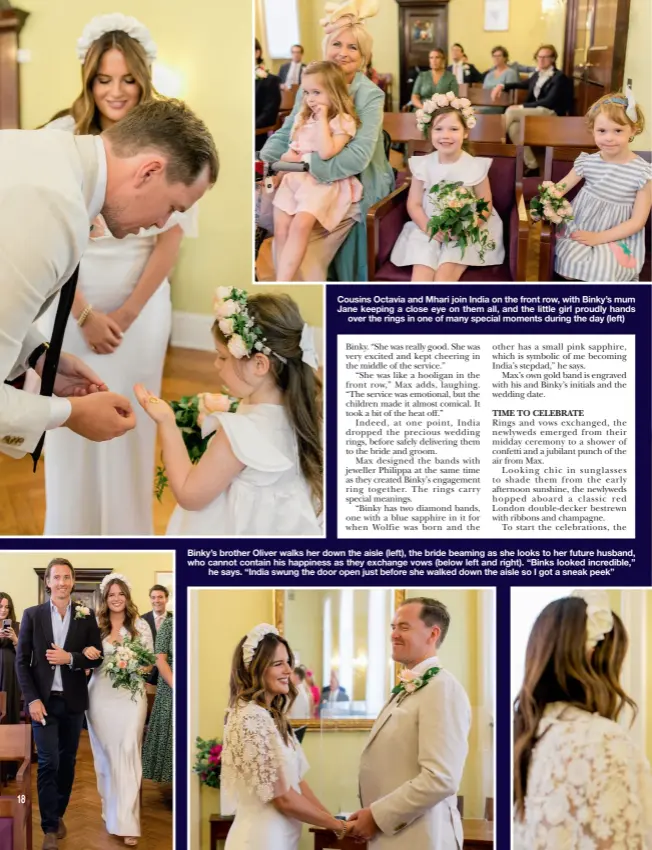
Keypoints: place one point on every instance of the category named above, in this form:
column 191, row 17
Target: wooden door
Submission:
column 11, row 22
column 596, row 43
column 423, row 25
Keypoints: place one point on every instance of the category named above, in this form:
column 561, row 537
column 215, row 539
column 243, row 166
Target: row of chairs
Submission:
column 386, row 218
column 16, row 808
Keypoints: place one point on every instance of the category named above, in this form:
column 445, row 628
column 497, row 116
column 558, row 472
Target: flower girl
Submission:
column 446, row 119
column 324, row 126
column 262, row 473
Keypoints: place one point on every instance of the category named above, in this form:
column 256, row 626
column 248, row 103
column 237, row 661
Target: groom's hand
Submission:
column 74, row 378
column 363, row 825
column 37, row 711
column 58, row 655
column 101, row 416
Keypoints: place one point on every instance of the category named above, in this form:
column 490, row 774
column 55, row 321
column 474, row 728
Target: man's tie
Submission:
column 51, row 364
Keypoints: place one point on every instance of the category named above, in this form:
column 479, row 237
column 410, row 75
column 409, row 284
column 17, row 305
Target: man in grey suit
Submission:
column 290, row 73
column 158, row 159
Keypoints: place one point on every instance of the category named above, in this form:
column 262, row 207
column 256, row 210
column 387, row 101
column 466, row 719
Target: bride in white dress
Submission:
column 115, row 720
column 262, row 762
column 580, row 782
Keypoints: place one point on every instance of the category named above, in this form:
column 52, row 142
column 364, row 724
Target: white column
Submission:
column 327, row 656
column 345, row 673
column 377, row 687
column 486, row 686
column 634, row 615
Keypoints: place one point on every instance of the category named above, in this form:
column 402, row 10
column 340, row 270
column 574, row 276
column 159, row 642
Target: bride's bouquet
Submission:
column 551, row 204
column 125, row 666
column 208, row 765
column 457, row 211
column 189, row 413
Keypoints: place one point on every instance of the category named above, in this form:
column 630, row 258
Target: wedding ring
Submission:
column 153, row 400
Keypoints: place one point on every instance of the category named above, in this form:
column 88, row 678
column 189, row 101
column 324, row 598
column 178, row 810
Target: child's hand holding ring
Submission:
column 157, row 409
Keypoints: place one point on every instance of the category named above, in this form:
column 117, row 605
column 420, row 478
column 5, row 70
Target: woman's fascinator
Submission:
column 102, row 24
column 599, row 619
column 355, row 10
column 107, row 580
column 252, row 640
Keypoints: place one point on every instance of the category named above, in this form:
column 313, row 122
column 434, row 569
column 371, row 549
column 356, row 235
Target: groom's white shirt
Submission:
column 411, row 767
column 52, row 186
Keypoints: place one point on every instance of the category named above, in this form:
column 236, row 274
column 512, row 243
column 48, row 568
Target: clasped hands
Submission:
column 362, row 826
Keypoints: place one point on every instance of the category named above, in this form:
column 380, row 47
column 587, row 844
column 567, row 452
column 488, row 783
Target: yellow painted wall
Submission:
column 18, row 579
column 637, row 64
column 217, row 82
column 648, row 733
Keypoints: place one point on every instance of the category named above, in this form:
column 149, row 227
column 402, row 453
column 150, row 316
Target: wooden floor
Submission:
column 22, row 492
column 83, row 819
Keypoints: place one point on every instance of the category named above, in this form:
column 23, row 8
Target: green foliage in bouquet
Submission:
column 125, row 666
column 208, row 765
column 550, row 204
column 457, row 210
column 189, row 413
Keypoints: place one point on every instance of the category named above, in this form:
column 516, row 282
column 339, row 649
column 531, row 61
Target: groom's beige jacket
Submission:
column 411, row 767
column 48, row 197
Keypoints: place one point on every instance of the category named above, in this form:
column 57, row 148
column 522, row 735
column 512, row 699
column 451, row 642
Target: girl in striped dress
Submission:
column 605, row 241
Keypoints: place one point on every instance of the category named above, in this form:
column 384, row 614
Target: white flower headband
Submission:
column 439, row 101
column 244, row 336
column 252, row 640
column 599, row 619
column 111, row 578
column 102, row 24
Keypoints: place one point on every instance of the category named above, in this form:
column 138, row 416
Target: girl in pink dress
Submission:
column 322, row 128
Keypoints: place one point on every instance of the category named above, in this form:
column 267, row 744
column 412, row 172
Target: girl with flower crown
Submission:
column 121, row 316
column 446, row 120
column 605, row 241
column 579, row 779
column 263, row 765
column 116, row 720
column 262, row 472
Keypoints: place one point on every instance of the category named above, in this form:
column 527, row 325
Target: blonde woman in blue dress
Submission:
column 121, row 317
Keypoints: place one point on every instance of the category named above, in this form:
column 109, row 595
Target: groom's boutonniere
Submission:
column 81, row 611
column 409, row 682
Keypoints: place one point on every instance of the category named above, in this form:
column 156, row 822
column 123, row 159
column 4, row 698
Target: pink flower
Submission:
column 547, row 184
column 450, row 95
column 456, row 103
column 441, row 100
column 226, row 326
column 410, row 687
column 122, row 664
column 407, row 676
column 471, row 122
column 237, row 346
column 464, row 102
column 224, row 309
column 223, row 292
column 429, row 107
column 213, row 402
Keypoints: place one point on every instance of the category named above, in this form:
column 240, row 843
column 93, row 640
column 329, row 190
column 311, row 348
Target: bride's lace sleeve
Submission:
column 145, row 634
column 599, row 797
column 252, row 762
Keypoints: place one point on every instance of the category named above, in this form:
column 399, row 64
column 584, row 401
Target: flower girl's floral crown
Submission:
column 102, row 24
column 599, row 619
column 252, row 640
column 440, row 101
column 107, row 580
column 244, row 336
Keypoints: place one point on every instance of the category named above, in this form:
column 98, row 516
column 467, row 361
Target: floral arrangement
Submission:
column 409, row 682
column 551, row 204
column 102, row 24
column 232, row 314
column 125, row 666
column 261, row 72
column 81, row 610
column 190, row 413
column 439, row 101
column 208, row 765
column 457, row 210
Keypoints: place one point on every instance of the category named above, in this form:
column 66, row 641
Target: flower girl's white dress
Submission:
column 270, row 496
column 589, row 787
column 257, row 766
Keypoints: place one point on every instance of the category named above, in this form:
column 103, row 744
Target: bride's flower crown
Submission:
column 107, row 580
column 439, row 101
column 102, row 24
column 252, row 640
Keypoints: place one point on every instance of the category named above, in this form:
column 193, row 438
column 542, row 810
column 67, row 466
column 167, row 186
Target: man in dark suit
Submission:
column 158, row 596
column 51, row 670
column 461, row 68
column 290, row 73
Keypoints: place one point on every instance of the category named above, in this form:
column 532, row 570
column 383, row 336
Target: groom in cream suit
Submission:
column 411, row 768
column 158, row 159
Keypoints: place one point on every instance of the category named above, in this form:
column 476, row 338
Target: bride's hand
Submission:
column 157, row 409
column 92, row 653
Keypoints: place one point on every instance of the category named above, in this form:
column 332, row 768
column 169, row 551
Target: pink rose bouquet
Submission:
column 551, row 204
column 127, row 666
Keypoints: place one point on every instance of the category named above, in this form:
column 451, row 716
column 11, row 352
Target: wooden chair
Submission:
column 16, row 746
column 386, row 218
column 489, row 808
column 385, row 84
column 558, row 162
column 545, row 131
column 219, row 827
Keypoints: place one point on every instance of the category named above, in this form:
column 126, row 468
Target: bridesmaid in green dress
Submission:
column 435, row 81
column 157, row 750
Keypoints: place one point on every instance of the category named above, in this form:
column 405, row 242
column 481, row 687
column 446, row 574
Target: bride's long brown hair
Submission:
column 558, row 668
column 104, row 615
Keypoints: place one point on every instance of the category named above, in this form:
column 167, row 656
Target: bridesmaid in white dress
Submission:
column 121, row 317
column 115, row 720
column 580, row 782
column 262, row 762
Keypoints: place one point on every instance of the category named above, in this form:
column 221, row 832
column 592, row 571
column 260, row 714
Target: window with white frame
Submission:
column 281, row 27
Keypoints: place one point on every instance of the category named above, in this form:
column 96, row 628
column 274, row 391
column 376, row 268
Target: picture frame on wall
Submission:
column 496, row 15
column 422, row 32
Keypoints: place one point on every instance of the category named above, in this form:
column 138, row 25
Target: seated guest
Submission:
column 461, row 68
column 8, row 679
column 435, row 81
column 549, row 93
column 268, row 95
column 290, row 73
column 332, row 693
column 500, row 74
column 372, row 73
